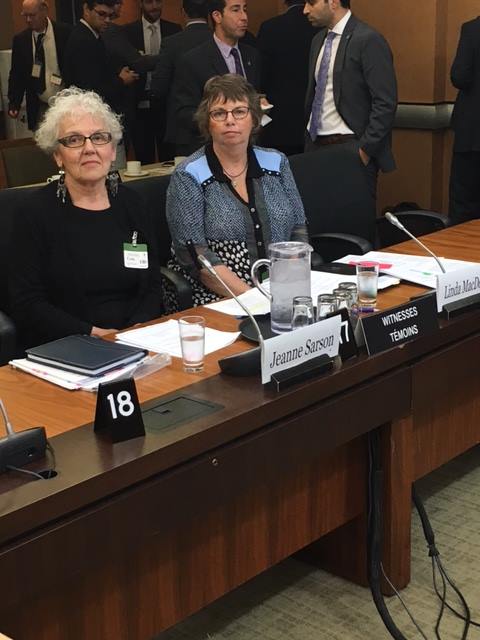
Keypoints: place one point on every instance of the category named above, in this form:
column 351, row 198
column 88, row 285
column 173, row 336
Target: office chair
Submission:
column 333, row 205
column 23, row 163
column 417, row 222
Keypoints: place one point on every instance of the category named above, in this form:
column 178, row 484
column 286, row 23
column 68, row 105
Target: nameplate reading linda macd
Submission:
column 401, row 324
column 296, row 347
column 458, row 285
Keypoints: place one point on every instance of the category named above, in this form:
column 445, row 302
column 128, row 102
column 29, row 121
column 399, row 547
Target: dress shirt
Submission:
column 226, row 51
column 97, row 35
column 331, row 121
column 51, row 60
column 147, row 34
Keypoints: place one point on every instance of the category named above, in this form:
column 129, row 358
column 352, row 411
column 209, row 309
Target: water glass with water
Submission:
column 367, row 285
column 192, row 341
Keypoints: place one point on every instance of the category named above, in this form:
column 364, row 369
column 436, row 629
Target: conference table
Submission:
column 128, row 539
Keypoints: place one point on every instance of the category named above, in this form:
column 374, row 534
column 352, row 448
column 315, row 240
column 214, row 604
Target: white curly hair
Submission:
column 73, row 102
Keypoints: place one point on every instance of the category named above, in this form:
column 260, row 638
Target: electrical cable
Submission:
column 48, row 473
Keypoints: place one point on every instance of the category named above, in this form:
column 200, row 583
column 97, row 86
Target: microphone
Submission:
column 246, row 363
column 396, row 223
column 17, row 449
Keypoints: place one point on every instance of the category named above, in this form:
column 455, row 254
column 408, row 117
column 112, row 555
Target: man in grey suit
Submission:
column 352, row 91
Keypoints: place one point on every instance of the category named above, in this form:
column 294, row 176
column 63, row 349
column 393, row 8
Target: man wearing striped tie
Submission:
column 352, row 91
column 220, row 54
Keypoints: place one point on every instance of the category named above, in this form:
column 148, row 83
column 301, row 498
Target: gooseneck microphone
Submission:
column 246, row 363
column 396, row 223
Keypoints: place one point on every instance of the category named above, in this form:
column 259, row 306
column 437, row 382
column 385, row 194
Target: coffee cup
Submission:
column 134, row 167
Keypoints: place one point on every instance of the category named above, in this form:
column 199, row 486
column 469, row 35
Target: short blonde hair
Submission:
column 73, row 102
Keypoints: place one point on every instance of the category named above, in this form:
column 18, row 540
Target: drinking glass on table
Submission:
column 192, row 341
column 343, row 299
column 367, row 285
column 326, row 303
column 302, row 312
column 351, row 287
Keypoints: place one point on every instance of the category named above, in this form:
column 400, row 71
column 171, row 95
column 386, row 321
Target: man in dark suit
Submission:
column 352, row 91
column 465, row 169
column 284, row 42
column 37, row 62
column 148, row 35
column 220, row 54
column 195, row 33
column 86, row 61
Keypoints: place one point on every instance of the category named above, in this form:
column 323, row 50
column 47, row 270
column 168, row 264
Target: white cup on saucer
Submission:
column 134, row 167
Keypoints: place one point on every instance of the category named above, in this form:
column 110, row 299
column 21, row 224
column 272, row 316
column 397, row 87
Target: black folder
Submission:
column 87, row 355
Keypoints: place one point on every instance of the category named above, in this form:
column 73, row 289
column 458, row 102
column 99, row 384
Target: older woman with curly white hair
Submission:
column 84, row 258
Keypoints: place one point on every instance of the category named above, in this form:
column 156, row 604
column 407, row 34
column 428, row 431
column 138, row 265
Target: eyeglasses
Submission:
column 76, row 140
column 105, row 15
column 220, row 115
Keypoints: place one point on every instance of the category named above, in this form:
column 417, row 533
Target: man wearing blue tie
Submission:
column 352, row 91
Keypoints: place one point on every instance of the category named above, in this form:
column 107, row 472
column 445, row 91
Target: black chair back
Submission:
column 335, row 192
column 418, row 223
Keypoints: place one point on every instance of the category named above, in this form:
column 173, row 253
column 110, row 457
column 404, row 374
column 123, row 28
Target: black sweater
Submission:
column 67, row 270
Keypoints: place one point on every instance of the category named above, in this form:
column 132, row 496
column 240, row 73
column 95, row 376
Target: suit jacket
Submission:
column 20, row 80
column 464, row 76
column 364, row 87
column 134, row 34
column 284, row 42
column 87, row 66
column 193, row 70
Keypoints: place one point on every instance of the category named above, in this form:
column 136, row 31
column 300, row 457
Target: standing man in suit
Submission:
column 465, row 169
column 218, row 55
column 148, row 35
column 195, row 33
column 37, row 62
column 87, row 64
column 352, row 89
column 284, row 42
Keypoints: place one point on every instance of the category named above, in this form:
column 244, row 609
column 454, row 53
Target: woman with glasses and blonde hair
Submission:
column 84, row 257
column 230, row 199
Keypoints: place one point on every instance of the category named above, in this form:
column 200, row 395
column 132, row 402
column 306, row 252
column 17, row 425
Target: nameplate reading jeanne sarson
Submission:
column 394, row 327
column 457, row 285
column 295, row 347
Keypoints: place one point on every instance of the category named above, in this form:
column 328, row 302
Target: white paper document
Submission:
column 165, row 338
column 422, row 270
column 258, row 304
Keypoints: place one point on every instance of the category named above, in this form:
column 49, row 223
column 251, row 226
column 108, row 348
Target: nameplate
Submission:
column 296, row 347
column 457, row 285
column 394, row 327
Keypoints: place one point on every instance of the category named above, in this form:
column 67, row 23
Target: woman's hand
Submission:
column 236, row 284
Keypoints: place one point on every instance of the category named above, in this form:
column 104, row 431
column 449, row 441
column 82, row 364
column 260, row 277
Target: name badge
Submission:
column 296, row 347
column 56, row 80
column 135, row 256
column 36, row 70
column 457, row 285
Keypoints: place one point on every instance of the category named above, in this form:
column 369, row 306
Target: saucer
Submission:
column 142, row 174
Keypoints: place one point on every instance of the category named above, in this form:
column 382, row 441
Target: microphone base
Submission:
column 302, row 372
column 22, row 447
column 452, row 309
column 247, row 363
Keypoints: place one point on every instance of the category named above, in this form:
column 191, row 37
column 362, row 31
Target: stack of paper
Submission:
column 165, row 338
column 420, row 270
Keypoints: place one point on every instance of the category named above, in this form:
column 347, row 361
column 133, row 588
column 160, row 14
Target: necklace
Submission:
column 233, row 177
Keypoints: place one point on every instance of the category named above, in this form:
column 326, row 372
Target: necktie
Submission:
column 318, row 100
column 40, row 60
column 238, row 64
column 154, row 40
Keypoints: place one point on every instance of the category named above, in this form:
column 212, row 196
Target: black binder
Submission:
column 86, row 355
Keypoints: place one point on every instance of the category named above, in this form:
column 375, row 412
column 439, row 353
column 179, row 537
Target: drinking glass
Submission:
column 302, row 312
column 351, row 287
column 343, row 299
column 367, row 285
column 326, row 303
column 192, row 341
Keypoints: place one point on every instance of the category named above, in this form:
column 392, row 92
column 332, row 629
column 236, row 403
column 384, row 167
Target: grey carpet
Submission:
column 292, row 601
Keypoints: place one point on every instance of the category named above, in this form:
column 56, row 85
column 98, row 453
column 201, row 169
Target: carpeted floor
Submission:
column 292, row 601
